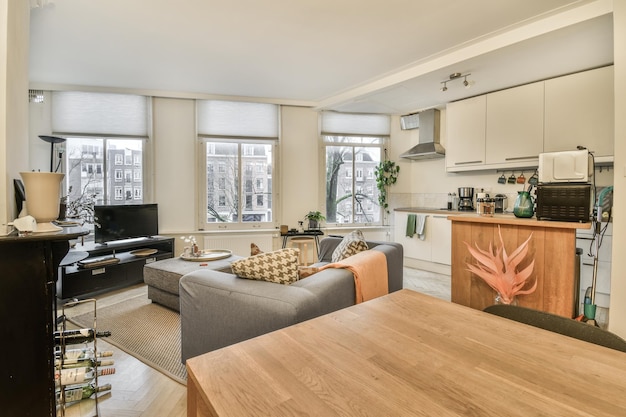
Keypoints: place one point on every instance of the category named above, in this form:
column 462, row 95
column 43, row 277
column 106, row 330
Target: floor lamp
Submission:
column 52, row 140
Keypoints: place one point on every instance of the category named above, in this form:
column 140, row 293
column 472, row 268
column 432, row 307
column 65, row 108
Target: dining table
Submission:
column 408, row 354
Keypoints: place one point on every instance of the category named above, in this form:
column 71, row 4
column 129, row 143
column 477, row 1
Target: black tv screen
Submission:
column 125, row 222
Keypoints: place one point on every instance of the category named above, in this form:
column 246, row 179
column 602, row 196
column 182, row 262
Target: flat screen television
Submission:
column 125, row 222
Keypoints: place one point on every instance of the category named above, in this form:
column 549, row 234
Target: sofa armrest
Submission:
column 218, row 309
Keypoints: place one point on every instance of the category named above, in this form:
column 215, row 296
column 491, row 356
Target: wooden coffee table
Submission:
column 408, row 354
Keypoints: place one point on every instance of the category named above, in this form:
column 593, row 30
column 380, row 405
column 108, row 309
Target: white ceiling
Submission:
column 349, row 55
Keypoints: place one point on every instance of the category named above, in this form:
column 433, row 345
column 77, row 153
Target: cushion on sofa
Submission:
column 351, row 244
column 279, row 266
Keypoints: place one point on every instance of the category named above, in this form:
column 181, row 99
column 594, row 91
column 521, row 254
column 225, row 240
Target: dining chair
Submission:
column 559, row 324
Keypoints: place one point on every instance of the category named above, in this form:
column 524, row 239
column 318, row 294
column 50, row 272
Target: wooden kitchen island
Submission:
column 553, row 247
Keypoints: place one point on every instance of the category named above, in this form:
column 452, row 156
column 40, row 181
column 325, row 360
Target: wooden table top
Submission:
column 409, row 354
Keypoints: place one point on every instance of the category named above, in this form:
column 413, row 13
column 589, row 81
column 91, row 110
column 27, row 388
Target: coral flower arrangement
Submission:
column 500, row 270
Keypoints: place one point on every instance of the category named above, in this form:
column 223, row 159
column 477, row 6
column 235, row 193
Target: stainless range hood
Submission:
column 429, row 146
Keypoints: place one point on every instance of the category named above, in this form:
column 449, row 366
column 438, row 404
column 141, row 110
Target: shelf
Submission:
column 75, row 281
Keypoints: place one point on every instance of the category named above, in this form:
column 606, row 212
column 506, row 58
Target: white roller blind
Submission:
column 82, row 113
column 334, row 123
column 237, row 119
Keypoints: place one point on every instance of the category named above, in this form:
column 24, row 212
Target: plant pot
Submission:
column 42, row 198
column 313, row 224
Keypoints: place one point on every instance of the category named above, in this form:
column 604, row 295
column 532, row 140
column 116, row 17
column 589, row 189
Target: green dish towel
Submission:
column 411, row 222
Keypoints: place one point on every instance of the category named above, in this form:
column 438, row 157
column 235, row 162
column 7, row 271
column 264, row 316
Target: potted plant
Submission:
column 386, row 175
column 314, row 218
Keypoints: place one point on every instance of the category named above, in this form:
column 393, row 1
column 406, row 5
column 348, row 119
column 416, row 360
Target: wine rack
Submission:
column 62, row 362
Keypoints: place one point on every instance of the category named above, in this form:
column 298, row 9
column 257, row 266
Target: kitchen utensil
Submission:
column 485, row 206
column 466, row 198
column 500, row 203
column 521, row 179
column 512, row 179
column 534, row 179
column 466, row 192
column 502, row 179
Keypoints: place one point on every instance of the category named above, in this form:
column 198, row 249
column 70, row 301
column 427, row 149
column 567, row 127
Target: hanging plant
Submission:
column 386, row 175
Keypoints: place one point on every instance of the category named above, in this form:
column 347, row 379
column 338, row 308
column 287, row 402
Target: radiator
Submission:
column 240, row 244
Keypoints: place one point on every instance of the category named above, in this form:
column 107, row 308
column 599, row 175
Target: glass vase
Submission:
column 524, row 205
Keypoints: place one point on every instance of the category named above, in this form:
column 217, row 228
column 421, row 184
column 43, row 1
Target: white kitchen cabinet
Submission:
column 466, row 124
column 515, row 126
column 441, row 239
column 437, row 244
column 579, row 110
column 414, row 247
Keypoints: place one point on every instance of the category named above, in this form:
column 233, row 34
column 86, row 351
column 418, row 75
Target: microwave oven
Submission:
column 566, row 166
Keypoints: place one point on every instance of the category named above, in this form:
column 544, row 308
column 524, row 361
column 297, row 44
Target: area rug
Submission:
column 149, row 332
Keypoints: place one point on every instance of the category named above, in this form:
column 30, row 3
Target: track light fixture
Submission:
column 454, row 76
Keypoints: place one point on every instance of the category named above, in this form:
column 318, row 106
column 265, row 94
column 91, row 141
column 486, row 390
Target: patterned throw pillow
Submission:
column 280, row 266
column 254, row 249
column 351, row 244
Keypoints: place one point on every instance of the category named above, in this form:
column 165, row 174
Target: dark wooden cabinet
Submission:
column 28, row 271
column 75, row 282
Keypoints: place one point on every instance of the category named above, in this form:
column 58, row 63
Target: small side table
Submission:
column 302, row 243
column 315, row 234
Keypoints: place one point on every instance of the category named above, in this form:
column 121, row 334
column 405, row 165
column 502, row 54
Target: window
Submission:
column 353, row 146
column 239, row 187
column 239, row 139
column 106, row 141
column 92, row 166
column 342, row 204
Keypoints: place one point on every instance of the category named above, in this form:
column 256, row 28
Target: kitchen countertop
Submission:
column 503, row 218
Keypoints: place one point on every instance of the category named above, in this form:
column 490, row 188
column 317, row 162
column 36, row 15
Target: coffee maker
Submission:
column 466, row 198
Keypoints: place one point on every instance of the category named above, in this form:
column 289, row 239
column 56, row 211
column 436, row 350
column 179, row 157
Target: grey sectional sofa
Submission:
column 218, row 309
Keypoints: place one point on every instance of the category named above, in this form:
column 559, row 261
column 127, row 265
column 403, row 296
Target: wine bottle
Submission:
column 70, row 337
column 82, row 393
column 79, row 375
column 83, row 363
column 78, row 354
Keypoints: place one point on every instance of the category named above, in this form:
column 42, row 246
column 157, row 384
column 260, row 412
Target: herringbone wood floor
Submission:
column 138, row 390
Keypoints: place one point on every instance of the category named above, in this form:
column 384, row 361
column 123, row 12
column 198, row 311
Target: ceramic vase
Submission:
column 524, row 205
column 42, row 197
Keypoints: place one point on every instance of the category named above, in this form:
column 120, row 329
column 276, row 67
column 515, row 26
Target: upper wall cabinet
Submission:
column 465, row 146
column 510, row 128
column 580, row 111
column 515, row 126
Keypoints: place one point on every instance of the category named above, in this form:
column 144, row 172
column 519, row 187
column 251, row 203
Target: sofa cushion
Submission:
column 279, row 266
column 351, row 244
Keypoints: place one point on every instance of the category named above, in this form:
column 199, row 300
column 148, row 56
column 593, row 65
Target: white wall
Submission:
column 173, row 148
column 14, row 36
column 617, row 313
column 299, row 175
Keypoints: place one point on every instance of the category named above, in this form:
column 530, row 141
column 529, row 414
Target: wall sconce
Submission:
column 454, row 76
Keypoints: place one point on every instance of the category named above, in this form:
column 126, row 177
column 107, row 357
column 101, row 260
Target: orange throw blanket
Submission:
column 370, row 273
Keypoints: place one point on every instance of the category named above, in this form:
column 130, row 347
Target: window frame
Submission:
column 204, row 142
column 116, row 176
column 352, row 142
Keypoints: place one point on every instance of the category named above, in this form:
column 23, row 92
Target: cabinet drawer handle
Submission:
column 586, row 264
column 440, row 217
column 521, row 157
column 468, row 162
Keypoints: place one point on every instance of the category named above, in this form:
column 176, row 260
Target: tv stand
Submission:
column 78, row 281
column 129, row 240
